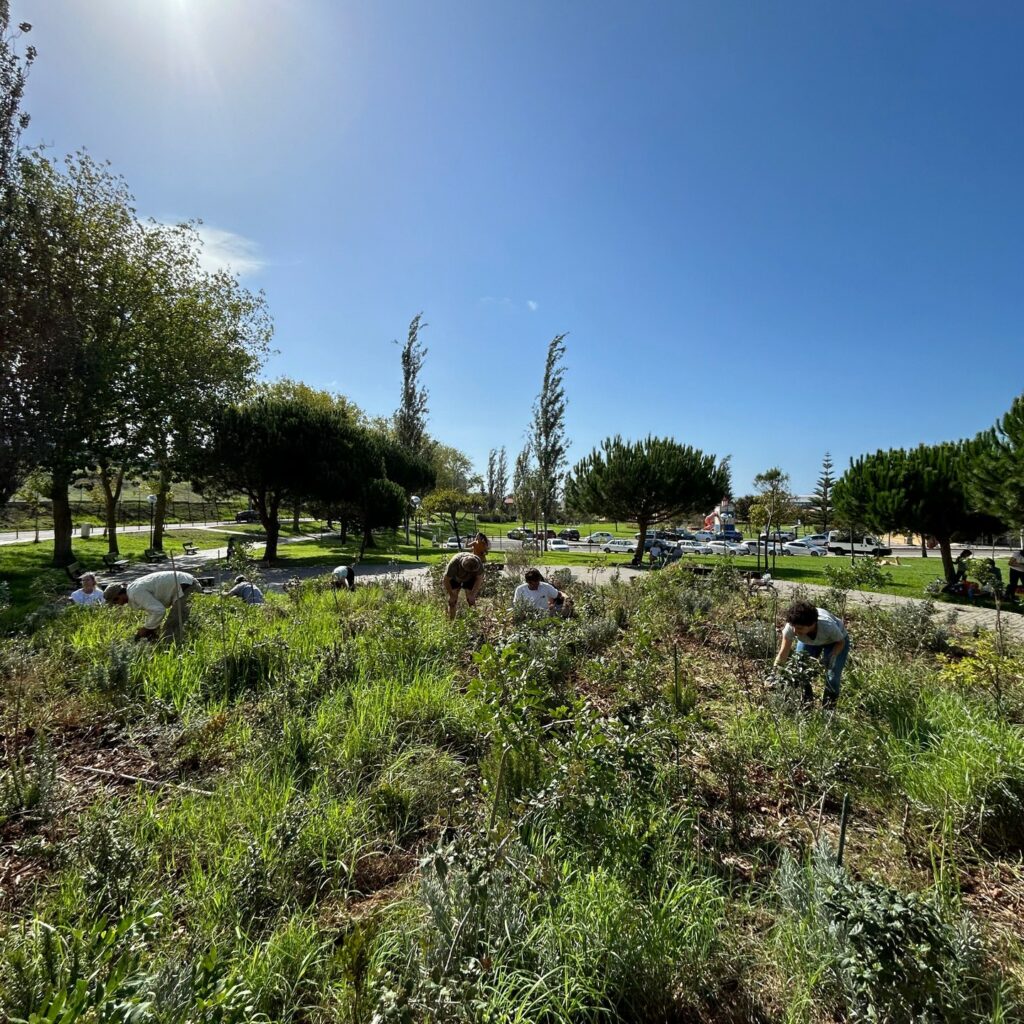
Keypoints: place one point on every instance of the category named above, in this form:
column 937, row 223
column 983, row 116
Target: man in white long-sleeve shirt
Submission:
column 155, row 593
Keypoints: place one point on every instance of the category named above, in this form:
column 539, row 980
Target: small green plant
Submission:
column 29, row 786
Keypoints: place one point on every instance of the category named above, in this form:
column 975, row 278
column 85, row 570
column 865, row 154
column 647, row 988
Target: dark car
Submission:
column 569, row 534
column 248, row 515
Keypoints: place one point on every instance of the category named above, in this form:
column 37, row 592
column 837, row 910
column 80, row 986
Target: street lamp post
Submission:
column 152, row 505
column 416, row 500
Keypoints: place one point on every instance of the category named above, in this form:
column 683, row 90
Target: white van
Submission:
column 839, row 543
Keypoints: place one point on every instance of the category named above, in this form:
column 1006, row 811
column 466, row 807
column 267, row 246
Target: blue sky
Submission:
column 770, row 229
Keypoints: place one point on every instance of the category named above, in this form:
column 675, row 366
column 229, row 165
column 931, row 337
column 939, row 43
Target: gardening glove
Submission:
column 145, row 634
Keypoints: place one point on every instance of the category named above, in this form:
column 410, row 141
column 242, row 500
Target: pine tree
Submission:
column 997, row 466
column 820, row 512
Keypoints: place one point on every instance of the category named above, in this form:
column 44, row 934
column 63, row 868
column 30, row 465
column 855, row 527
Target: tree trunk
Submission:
column 295, row 518
column 272, row 528
column 163, row 487
column 343, row 529
column 947, row 560
column 111, row 484
column 638, row 555
column 63, row 553
column 368, row 541
column 924, row 547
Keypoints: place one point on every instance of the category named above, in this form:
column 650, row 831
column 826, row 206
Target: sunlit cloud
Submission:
column 532, row 306
column 225, row 250
column 504, row 302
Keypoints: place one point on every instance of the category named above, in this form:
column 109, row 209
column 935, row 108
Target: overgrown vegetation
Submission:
column 355, row 810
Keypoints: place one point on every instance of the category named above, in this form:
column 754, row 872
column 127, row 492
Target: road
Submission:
column 23, row 536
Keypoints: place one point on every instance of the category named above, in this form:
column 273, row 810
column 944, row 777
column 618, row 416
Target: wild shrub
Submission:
column 96, row 971
column 862, row 574
column 990, row 670
column 29, row 787
column 906, row 630
column 874, row 952
column 109, row 859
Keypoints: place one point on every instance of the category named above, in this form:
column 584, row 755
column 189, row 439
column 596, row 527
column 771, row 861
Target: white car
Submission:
column 804, row 547
column 819, row 540
column 601, row 537
column 557, row 544
column 723, row 547
column 693, row 547
column 452, row 544
column 621, row 546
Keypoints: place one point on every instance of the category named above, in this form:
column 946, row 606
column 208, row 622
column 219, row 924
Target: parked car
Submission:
column 558, row 545
column 248, row 515
column 693, row 547
column 600, row 537
column 804, row 547
column 819, row 539
column 723, row 547
column 704, row 535
column 452, row 544
column 515, row 534
column 781, row 536
column 569, row 534
column 619, row 545
column 839, row 543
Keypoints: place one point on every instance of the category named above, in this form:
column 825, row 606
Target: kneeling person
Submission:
column 537, row 593
column 822, row 636
column 156, row 594
column 88, row 593
column 464, row 572
column 247, row 591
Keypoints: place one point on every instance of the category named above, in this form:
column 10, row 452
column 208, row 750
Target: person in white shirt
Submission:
column 88, row 594
column 818, row 633
column 157, row 593
column 537, row 593
column 344, row 576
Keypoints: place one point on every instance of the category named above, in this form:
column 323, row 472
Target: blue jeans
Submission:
column 833, row 663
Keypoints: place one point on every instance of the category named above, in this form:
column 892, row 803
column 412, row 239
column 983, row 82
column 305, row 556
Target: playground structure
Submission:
column 722, row 519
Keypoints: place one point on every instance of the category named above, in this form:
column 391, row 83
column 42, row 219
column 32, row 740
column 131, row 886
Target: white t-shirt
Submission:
column 538, row 598
column 830, row 630
column 81, row 597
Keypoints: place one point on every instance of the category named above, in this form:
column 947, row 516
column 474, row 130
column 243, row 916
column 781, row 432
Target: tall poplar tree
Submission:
column 549, row 441
column 410, row 419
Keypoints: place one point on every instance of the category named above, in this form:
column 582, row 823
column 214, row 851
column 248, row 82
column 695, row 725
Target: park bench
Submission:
column 114, row 563
column 74, row 571
column 758, row 581
column 154, row 556
column 189, row 548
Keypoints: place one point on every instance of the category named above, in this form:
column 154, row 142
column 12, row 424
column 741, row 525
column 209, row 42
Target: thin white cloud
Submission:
column 532, row 306
column 225, row 250
column 506, row 303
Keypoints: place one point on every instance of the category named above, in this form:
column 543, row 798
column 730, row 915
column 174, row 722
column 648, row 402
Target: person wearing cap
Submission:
column 88, row 594
column 464, row 572
column 157, row 594
column 248, row 592
column 536, row 592
column 344, row 576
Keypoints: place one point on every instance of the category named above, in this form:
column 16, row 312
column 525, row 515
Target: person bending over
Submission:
column 248, row 592
column 157, row 594
column 464, row 572
column 536, row 592
column 819, row 634
column 344, row 576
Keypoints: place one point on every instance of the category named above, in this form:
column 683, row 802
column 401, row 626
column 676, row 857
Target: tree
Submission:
column 549, row 440
column 820, row 512
column 497, row 480
column 996, row 478
column 924, row 490
column 410, row 419
column 525, row 488
column 776, row 500
column 741, row 507
column 66, row 316
column 452, row 504
column 277, row 448
column 651, row 481
column 15, row 430
column 453, row 470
